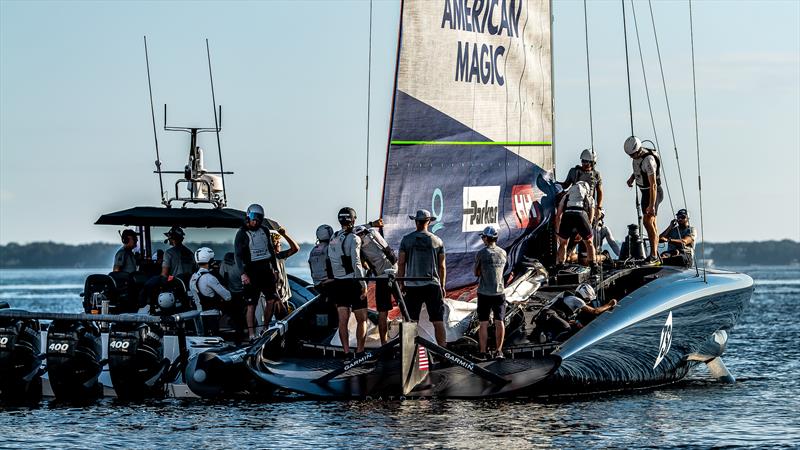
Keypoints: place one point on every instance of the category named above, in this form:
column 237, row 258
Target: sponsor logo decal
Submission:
column 525, row 202
column 358, row 361
column 456, row 360
column 481, row 205
column 437, row 212
column 666, row 340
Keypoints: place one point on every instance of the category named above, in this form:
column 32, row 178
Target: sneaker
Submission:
column 652, row 261
column 500, row 356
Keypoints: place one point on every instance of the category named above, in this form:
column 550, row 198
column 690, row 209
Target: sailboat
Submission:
column 472, row 140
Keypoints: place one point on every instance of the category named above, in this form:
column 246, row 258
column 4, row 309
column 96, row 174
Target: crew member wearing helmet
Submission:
column 490, row 265
column 379, row 258
column 318, row 261
column 647, row 174
column 567, row 313
column 422, row 255
column 255, row 257
column 178, row 259
column 680, row 237
column 573, row 218
column 208, row 292
column 587, row 172
column 124, row 259
column 344, row 253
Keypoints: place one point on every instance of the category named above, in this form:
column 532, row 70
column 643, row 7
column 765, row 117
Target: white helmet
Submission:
column 586, row 292
column 632, row 145
column 203, row 255
column 166, row 300
column 324, row 233
column 588, row 155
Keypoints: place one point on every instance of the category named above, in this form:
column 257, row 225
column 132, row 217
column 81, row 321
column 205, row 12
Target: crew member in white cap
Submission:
column 490, row 264
column 422, row 255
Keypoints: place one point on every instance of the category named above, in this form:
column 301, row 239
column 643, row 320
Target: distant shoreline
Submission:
column 52, row 255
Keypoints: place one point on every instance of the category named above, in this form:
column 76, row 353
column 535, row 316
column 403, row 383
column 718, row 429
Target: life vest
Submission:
column 578, row 197
column 207, row 302
column 320, row 264
column 260, row 244
column 645, row 179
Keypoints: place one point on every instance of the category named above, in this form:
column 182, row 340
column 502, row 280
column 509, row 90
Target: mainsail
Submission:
column 472, row 125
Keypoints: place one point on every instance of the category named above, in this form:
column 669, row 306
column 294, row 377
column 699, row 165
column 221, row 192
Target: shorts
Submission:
column 575, row 222
column 494, row 303
column 346, row 293
column 646, row 198
column 431, row 296
column 383, row 295
column 261, row 282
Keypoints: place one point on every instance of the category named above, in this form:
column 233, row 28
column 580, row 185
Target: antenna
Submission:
column 153, row 115
column 217, row 123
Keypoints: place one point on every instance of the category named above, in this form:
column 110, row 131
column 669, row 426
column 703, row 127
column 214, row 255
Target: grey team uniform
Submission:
column 346, row 291
column 643, row 167
column 678, row 233
column 320, row 266
column 179, row 260
column 591, row 177
column 208, row 291
column 255, row 258
column 126, row 260
column 492, row 263
column 422, row 249
column 372, row 245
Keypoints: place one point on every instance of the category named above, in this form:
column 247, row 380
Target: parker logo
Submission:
column 525, row 201
column 481, row 205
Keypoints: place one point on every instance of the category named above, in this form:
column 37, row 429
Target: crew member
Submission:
column 422, row 255
column 574, row 217
column 319, row 263
column 603, row 233
column 680, row 237
column 587, row 172
column 647, row 174
column 559, row 319
column 255, row 258
column 379, row 258
column 208, row 292
column 490, row 263
column 349, row 294
column 282, row 288
column 232, row 280
column 124, row 259
column 178, row 259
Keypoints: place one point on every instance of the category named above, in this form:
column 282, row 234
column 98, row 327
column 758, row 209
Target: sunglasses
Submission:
column 681, row 216
column 586, row 161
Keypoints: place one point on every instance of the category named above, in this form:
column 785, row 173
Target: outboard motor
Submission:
column 74, row 350
column 136, row 360
column 20, row 364
column 633, row 246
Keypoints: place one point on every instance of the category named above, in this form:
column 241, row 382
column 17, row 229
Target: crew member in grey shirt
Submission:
column 379, row 258
column 680, row 237
column 124, row 259
column 422, row 255
column 603, row 233
column 178, row 259
column 490, row 263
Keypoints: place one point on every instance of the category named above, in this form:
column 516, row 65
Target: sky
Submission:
column 76, row 137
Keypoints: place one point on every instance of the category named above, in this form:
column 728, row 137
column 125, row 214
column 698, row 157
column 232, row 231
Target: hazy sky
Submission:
column 76, row 135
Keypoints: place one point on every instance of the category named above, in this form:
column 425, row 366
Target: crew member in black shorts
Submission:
column 574, row 218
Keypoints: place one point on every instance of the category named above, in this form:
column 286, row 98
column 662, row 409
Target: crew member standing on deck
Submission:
column 573, row 218
column 349, row 294
column 255, row 257
column 647, row 174
column 587, row 172
column 490, row 263
column 380, row 258
column 422, row 255
column 319, row 263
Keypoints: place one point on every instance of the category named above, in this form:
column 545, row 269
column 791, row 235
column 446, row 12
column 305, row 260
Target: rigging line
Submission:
column 588, row 76
column 666, row 98
column 369, row 92
column 216, row 127
column 697, row 146
column 630, row 108
column 650, row 106
column 153, row 115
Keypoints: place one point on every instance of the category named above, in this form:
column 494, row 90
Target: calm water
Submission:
column 761, row 410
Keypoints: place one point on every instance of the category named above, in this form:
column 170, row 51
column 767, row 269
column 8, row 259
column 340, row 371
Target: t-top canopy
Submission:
column 167, row 217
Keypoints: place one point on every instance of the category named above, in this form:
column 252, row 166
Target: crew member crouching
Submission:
column 208, row 292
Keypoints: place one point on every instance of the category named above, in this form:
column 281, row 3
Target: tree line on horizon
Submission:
column 100, row 254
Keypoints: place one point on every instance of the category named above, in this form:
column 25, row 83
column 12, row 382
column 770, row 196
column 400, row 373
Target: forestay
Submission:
column 472, row 125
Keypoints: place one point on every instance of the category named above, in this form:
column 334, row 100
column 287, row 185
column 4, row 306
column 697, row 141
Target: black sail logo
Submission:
column 666, row 340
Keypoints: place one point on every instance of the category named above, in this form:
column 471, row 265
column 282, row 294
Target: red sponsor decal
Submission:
column 525, row 204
